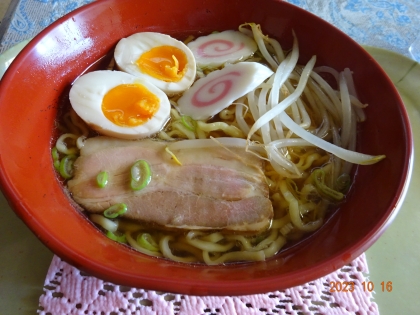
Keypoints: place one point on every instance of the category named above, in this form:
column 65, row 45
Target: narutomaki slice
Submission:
column 213, row 188
column 217, row 49
column 211, row 94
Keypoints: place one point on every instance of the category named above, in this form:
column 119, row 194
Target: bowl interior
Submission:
column 30, row 94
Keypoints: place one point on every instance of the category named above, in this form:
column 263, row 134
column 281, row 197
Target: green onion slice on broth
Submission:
column 56, row 158
column 188, row 122
column 343, row 182
column 146, row 240
column 318, row 177
column 66, row 166
column 117, row 238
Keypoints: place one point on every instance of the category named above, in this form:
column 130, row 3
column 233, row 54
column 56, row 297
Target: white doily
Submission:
column 69, row 291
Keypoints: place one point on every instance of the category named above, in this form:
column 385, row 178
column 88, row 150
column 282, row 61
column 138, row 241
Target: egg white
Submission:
column 129, row 50
column 86, row 97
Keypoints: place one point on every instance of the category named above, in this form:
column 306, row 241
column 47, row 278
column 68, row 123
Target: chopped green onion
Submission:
column 54, row 153
column 57, row 165
column 102, row 179
column 146, row 241
column 141, row 175
column 66, row 166
column 117, row 238
column 343, row 182
column 318, row 177
column 115, row 210
column 188, row 122
column 56, row 158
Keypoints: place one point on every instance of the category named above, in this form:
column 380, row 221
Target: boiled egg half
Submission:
column 119, row 104
column 159, row 58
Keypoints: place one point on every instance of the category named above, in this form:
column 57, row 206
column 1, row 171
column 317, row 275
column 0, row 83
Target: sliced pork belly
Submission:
column 212, row 189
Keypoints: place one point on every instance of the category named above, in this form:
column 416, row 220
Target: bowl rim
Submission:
column 233, row 287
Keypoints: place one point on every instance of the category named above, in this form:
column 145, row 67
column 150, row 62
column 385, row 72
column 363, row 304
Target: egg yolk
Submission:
column 129, row 105
column 166, row 63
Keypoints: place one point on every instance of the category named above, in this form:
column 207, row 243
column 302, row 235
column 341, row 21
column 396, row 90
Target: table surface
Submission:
column 390, row 25
column 3, row 7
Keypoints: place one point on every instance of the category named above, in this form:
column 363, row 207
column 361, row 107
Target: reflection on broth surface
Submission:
column 252, row 156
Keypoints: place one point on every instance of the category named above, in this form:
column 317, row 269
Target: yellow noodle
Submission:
column 182, row 246
column 164, row 136
column 279, row 223
column 294, row 211
column 213, row 237
column 234, row 256
column 176, row 134
column 167, row 252
column 307, row 161
column 275, row 246
column 194, row 240
column 189, row 134
column 137, row 247
column 267, row 241
column 245, row 243
column 222, row 126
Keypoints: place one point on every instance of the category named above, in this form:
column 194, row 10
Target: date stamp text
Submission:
column 349, row 286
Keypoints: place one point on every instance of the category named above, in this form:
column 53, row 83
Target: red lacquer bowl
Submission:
column 29, row 96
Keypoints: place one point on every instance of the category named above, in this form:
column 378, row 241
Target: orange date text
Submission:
column 349, row 286
column 342, row 286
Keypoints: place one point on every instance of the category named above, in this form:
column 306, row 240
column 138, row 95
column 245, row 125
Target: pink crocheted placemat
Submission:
column 69, row 291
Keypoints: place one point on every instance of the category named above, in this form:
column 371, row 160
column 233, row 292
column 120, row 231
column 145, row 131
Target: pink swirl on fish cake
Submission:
column 218, row 47
column 219, row 86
